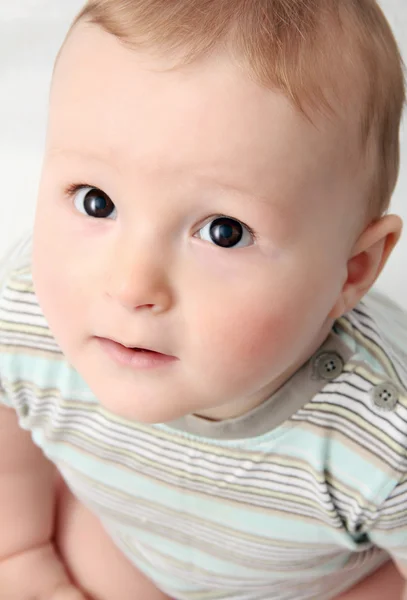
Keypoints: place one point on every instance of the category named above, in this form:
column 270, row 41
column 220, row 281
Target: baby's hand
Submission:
column 36, row 574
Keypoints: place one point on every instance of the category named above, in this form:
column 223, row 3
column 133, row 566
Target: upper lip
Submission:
column 140, row 346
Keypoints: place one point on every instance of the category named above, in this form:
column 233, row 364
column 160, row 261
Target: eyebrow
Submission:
column 55, row 152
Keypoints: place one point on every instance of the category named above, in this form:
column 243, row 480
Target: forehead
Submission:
column 208, row 118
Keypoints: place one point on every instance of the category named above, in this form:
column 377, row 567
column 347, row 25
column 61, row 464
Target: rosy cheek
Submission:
column 246, row 343
column 264, row 338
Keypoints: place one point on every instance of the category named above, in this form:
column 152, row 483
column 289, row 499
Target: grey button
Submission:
column 24, row 410
column 328, row 365
column 385, row 396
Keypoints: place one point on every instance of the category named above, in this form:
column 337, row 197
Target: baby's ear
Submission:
column 368, row 257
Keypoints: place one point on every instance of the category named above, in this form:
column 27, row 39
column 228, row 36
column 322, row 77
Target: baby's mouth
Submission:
column 143, row 350
column 138, row 357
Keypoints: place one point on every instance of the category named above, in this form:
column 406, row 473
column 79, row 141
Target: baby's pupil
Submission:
column 98, row 205
column 226, row 232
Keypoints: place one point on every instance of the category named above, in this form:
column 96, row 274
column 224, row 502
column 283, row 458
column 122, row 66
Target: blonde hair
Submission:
column 315, row 51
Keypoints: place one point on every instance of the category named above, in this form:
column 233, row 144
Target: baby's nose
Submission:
column 140, row 282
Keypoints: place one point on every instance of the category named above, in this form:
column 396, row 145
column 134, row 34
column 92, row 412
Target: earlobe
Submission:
column 367, row 260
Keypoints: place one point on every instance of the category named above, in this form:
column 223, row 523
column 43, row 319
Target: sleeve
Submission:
column 389, row 531
column 17, row 253
column 3, row 396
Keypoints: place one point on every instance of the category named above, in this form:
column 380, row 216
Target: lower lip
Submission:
column 136, row 359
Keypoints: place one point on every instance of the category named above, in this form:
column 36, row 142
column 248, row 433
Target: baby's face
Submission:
column 211, row 225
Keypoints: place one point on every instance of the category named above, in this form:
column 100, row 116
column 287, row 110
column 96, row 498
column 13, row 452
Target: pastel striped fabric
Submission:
column 258, row 508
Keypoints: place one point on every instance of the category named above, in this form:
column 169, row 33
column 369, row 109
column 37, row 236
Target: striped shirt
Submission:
column 296, row 500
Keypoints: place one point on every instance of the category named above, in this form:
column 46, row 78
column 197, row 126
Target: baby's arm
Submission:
column 386, row 582
column 29, row 566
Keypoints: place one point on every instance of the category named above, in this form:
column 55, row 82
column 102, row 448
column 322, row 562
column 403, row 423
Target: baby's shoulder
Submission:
column 16, row 258
column 30, row 358
column 18, row 307
column 364, row 412
column 376, row 332
column 20, row 314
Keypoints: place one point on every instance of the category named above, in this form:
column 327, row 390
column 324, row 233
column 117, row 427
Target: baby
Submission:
column 201, row 397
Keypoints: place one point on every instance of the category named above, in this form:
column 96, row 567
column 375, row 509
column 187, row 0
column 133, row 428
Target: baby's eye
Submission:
column 92, row 202
column 227, row 233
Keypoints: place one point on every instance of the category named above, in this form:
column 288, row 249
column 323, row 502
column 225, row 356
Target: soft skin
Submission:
column 172, row 151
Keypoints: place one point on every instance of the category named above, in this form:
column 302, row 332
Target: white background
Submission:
column 31, row 32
